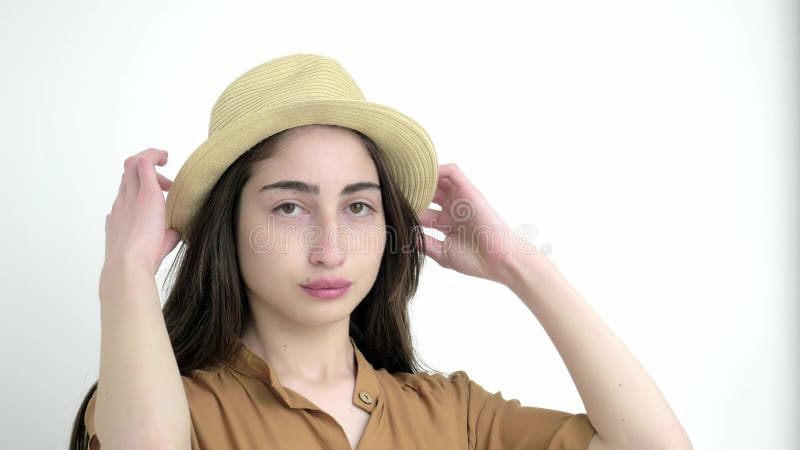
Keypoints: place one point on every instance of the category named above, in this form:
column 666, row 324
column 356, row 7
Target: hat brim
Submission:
column 408, row 150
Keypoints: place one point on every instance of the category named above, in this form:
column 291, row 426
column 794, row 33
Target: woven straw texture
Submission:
column 291, row 91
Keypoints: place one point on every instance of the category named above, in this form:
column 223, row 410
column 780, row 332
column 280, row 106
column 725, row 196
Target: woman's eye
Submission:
column 363, row 205
column 283, row 207
column 287, row 208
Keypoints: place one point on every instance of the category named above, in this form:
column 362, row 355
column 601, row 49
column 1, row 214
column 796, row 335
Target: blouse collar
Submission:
column 365, row 394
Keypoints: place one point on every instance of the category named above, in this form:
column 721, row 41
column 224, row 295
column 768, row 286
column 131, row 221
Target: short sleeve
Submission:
column 88, row 421
column 494, row 423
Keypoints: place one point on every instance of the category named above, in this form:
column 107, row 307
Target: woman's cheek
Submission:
column 371, row 238
column 261, row 238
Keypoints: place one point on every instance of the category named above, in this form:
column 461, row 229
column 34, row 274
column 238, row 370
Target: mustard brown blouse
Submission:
column 240, row 404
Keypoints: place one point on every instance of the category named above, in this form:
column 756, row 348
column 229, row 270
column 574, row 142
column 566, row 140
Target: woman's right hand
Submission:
column 135, row 233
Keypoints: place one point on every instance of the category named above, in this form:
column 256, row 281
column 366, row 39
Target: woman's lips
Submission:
column 327, row 283
column 326, row 293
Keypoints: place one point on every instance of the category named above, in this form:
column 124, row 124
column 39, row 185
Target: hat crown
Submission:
column 289, row 79
column 289, row 92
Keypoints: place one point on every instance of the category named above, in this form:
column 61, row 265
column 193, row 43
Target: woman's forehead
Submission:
column 326, row 171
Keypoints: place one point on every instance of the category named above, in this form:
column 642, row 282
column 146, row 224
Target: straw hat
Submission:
column 290, row 91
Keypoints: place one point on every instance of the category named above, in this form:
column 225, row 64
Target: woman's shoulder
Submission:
column 215, row 369
column 213, row 379
column 426, row 381
column 210, row 389
column 427, row 377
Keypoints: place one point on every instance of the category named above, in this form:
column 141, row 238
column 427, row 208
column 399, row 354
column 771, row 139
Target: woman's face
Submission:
column 289, row 237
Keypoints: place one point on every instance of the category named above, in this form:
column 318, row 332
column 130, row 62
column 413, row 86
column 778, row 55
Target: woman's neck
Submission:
column 319, row 356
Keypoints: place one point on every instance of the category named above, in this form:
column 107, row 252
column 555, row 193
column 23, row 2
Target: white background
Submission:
column 651, row 143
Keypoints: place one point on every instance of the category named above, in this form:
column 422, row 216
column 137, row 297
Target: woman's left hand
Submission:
column 477, row 241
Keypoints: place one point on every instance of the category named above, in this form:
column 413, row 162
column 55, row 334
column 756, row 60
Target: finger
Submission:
column 454, row 175
column 164, row 182
column 444, row 190
column 447, row 187
column 446, row 184
column 147, row 174
column 433, row 248
column 171, row 239
column 439, row 197
column 429, row 218
column 158, row 156
column 121, row 190
column 131, row 179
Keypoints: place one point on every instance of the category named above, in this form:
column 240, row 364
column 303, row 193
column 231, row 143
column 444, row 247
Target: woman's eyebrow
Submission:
column 295, row 185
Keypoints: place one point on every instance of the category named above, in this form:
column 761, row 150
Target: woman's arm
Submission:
column 624, row 405
column 141, row 402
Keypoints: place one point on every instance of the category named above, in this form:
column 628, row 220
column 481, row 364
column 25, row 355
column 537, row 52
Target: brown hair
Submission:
column 209, row 293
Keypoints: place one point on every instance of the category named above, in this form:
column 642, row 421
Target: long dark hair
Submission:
column 208, row 293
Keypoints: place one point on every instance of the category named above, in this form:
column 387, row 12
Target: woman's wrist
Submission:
column 119, row 274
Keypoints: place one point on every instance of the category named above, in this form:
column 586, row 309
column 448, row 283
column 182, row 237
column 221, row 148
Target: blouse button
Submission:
column 365, row 397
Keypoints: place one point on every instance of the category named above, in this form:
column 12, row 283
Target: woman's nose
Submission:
column 330, row 243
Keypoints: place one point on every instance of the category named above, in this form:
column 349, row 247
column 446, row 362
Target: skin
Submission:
column 287, row 237
column 135, row 233
column 139, row 381
column 307, row 338
column 623, row 403
column 304, row 339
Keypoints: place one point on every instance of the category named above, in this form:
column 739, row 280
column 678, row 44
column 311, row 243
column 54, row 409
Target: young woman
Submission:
column 287, row 324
